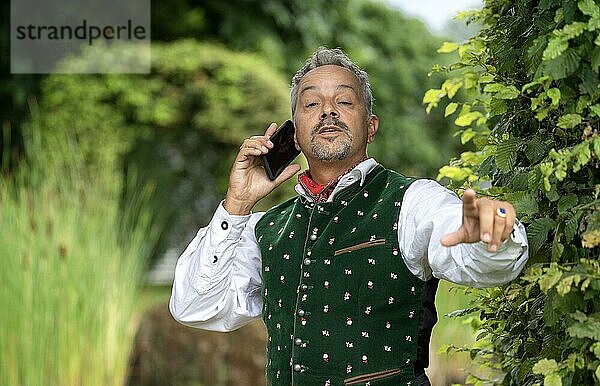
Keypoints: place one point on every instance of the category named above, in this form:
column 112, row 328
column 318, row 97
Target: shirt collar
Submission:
column 359, row 172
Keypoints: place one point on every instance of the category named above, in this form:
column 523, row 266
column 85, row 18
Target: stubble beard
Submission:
column 327, row 149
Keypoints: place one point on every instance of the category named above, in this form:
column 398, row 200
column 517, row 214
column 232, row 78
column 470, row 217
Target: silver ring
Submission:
column 501, row 212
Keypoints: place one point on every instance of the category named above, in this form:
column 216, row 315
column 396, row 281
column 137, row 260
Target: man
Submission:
column 344, row 274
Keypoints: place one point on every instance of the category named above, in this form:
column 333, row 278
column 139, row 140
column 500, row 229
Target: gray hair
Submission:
column 323, row 57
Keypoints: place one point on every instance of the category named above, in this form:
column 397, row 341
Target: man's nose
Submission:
column 329, row 110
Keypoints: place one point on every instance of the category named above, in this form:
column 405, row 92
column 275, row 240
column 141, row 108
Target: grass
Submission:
column 73, row 256
column 453, row 367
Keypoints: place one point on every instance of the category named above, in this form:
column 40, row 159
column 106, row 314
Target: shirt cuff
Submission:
column 225, row 226
column 508, row 251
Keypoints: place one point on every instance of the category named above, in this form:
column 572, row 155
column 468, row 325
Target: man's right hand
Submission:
column 248, row 182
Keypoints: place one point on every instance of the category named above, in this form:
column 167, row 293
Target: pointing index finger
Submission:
column 470, row 208
column 468, row 197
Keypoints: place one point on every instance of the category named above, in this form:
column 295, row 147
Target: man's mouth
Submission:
column 329, row 129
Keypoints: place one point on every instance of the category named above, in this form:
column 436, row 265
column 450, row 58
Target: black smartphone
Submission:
column 283, row 152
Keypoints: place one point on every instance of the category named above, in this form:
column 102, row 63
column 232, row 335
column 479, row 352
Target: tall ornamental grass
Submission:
column 73, row 249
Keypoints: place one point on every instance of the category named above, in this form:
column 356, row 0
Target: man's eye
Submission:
column 311, row 104
column 348, row 103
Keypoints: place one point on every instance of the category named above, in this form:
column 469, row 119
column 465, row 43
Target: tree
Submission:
column 179, row 127
column 396, row 51
column 533, row 113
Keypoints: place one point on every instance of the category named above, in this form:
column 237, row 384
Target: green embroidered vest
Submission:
column 340, row 306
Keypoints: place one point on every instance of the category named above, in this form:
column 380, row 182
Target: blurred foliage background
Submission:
column 156, row 149
column 220, row 72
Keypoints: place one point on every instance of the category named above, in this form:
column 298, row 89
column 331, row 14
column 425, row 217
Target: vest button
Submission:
column 303, row 287
column 297, row 367
column 307, row 261
column 313, row 237
column 300, row 312
column 298, row 341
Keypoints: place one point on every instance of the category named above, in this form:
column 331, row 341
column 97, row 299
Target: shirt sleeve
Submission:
column 429, row 211
column 218, row 277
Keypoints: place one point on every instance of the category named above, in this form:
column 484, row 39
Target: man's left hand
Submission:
column 486, row 220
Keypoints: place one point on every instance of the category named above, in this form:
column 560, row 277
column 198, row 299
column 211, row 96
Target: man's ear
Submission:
column 372, row 127
column 296, row 142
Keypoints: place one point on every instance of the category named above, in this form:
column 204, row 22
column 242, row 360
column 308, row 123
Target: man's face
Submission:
column 331, row 117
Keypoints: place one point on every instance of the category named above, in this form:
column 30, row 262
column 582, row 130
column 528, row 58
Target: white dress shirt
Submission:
column 218, row 278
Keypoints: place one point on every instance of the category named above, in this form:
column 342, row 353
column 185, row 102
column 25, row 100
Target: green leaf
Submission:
column 583, row 155
column 550, row 278
column 451, row 86
column 486, row 78
column 537, row 232
column 525, row 205
column 567, row 202
column 535, row 150
column 556, row 46
column 545, row 366
column 588, row 7
column 571, row 226
column 511, row 92
column 546, row 168
column 493, row 87
column 582, row 103
column 447, row 47
column 557, row 250
column 595, row 59
column 594, row 23
column 572, row 30
column 497, row 107
column 535, row 53
column 559, row 16
column 450, row 109
column 454, row 173
column 518, row 182
column 467, row 118
column 562, row 66
column 467, row 135
column 575, row 361
column 506, row 154
column 554, row 94
column 432, row 96
column 552, row 380
column 529, row 85
column 552, row 194
column 596, row 146
column 569, row 121
column 541, row 114
column 589, row 329
column 589, row 81
column 579, row 316
column 501, row 91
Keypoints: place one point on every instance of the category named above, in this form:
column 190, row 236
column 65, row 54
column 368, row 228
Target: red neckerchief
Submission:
column 318, row 192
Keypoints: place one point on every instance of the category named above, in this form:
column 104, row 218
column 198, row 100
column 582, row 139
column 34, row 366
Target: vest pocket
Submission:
column 371, row 377
column 356, row 247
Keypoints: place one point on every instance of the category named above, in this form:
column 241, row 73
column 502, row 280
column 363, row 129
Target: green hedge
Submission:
column 533, row 113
